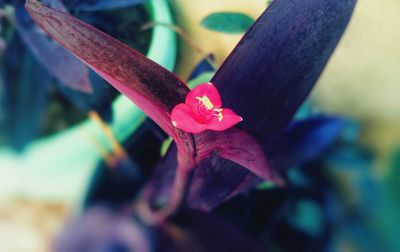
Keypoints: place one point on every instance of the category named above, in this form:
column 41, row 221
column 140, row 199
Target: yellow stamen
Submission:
column 220, row 116
column 206, row 102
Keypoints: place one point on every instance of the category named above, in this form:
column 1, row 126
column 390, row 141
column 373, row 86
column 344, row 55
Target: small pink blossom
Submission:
column 202, row 110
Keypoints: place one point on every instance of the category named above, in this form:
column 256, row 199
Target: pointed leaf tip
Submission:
column 151, row 87
column 279, row 60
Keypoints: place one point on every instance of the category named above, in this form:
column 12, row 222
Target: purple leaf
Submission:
column 267, row 77
column 58, row 61
column 301, row 142
column 158, row 189
column 237, row 146
column 101, row 229
column 202, row 232
column 278, row 61
column 213, row 168
column 151, row 87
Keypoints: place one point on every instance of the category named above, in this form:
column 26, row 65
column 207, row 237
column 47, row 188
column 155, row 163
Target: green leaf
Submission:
column 227, row 22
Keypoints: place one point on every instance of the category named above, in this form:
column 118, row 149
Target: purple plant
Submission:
column 265, row 80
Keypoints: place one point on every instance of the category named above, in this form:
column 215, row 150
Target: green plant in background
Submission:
column 227, row 22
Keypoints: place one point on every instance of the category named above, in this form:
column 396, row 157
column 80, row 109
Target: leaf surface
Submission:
column 227, row 22
column 267, row 77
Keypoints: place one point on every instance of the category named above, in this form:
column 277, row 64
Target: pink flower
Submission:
column 202, row 110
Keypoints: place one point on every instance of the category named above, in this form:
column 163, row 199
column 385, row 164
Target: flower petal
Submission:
column 228, row 119
column 182, row 118
column 205, row 89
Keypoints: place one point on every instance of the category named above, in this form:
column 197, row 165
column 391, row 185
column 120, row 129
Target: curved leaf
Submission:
column 267, row 77
column 203, row 232
column 302, row 141
column 278, row 61
column 239, row 147
column 151, row 87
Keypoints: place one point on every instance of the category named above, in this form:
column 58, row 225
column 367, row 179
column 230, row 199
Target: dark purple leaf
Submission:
column 159, row 187
column 58, row 61
column 25, row 93
column 276, row 64
column 94, row 5
column 237, row 146
column 215, row 181
column 302, row 141
column 202, row 232
column 101, row 229
column 267, row 77
column 206, row 179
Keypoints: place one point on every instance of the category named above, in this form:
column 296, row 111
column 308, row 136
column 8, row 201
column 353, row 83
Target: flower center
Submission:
column 205, row 107
column 205, row 101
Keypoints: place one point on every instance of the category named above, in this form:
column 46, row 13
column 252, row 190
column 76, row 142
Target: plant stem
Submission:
column 178, row 190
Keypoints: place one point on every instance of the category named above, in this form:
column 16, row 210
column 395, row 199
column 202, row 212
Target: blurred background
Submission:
column 52, row 133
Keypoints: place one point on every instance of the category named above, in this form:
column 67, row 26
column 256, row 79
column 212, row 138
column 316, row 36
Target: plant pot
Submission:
column 59, row 167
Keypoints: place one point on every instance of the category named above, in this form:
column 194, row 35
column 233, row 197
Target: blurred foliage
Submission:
column 44, row 94
column 227, row 22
